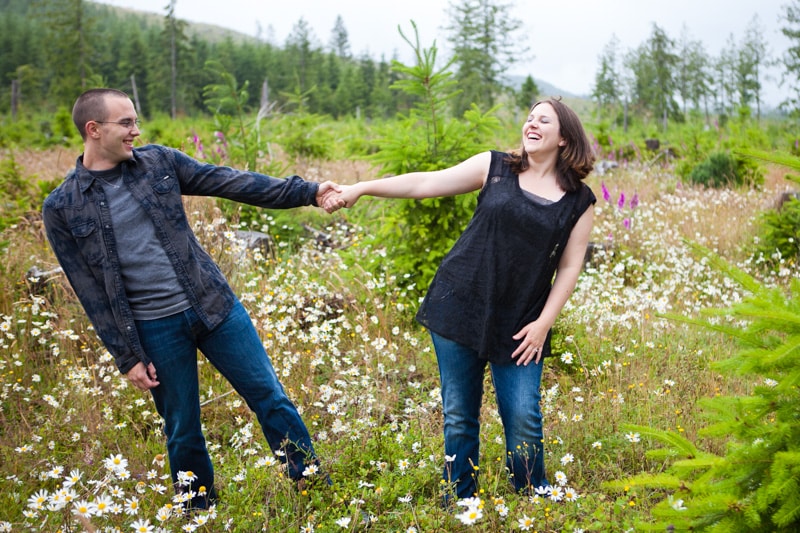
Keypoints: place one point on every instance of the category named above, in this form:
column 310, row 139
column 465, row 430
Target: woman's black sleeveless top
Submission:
column 499, row 273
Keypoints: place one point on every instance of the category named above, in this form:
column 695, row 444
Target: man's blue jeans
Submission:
column 235, row 349
column 517, row 391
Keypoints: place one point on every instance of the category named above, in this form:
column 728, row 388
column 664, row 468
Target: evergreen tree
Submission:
column 167, row 59
column 68, row 25
column 383, row 101
column 129, row 70
column 661, row 49
column 340, row 44
column 174, row 33
column 192, row 79
column 724, row 78
column 332, row 79
column 486, row 41
column 653, row 65
column 791, row 57
column 301, row 52
column 606, row 91
column 346, row 98
column 749, row 72
column 418, row 233
column 528, row 94
column 692, row 76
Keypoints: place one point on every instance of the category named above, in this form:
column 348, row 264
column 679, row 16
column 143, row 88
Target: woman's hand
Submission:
column 348, row 195
column 533, row 336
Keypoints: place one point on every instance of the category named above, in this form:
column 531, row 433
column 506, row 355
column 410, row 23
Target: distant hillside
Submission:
column 580, row 104
column 214, row 33
column 209, row 32
column 545, row 88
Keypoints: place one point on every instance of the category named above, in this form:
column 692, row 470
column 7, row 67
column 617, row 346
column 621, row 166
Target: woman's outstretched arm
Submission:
column 462, row 178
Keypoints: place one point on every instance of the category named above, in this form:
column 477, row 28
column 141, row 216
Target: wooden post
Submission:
column 135, row 94
column 14, row 99
column 264, row 95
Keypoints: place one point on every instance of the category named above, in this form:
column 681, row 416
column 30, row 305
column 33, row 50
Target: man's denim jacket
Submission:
column 78, row 225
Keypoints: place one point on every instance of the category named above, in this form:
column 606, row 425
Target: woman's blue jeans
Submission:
column 235, row 349
column 517, row 391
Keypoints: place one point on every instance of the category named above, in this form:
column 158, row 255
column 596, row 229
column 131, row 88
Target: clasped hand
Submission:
column 332, row 197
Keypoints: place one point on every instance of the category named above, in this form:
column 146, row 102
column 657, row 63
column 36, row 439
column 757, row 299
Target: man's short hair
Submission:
column 91, row 105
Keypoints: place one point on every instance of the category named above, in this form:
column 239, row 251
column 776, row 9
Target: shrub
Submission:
column 418, row 233
column 780, row 231
column 722, row 169
column 16, row 197
column 306, row 136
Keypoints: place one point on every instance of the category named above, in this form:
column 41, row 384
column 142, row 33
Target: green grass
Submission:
column 364, row 376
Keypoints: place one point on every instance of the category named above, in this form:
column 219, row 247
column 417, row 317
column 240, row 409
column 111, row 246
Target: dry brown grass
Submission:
column 721, row 219
column 43, row 164
column 345, row 172
column 54, row 163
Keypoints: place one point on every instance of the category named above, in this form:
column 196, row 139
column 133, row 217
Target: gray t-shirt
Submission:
column 150, row 281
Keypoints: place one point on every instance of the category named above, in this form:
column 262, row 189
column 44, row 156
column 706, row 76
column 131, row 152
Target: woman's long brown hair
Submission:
column 575, row 159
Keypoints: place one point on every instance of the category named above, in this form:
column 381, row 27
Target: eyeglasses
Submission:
column 126, row 123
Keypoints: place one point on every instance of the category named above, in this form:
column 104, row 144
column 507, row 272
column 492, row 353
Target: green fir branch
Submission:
column 754, row 486
column 679, row 444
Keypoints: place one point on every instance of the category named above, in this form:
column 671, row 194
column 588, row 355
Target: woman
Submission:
column 494, row 297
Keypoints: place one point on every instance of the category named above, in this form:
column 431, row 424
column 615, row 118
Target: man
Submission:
column 120, row 232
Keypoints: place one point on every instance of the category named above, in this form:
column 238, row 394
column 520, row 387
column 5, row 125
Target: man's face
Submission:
column 113, row 137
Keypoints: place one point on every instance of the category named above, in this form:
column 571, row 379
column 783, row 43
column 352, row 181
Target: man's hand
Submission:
column 143, row 377
column 328, row 197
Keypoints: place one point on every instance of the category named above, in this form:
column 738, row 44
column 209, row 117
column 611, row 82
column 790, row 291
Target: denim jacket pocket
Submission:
column 88, row 240
column 163, row 184
column 167, row 191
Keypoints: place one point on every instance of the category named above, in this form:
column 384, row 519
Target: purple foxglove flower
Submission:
column 606, row 194
column 621, row 201
column 626, row 222
column 635, row 201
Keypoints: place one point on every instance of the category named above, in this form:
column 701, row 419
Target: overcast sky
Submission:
column 565, row 37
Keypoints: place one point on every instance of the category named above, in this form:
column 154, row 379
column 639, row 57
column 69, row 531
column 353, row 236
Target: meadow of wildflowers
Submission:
column 82, row 450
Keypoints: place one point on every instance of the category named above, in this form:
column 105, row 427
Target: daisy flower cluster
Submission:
column 649, row 269
column 82, row 448
column 114, row 498
column 470, row 511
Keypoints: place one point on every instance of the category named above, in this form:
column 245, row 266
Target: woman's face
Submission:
column 541, row 133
